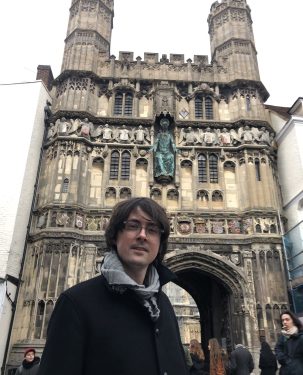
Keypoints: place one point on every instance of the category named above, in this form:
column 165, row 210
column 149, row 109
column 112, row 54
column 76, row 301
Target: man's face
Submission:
column 30, row 356
column 137, row 249
column 287, row 321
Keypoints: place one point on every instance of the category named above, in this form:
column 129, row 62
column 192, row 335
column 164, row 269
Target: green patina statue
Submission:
column 164, row 150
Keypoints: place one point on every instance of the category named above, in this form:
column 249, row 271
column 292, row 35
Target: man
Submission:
column 120, row 323
column 289, row 348
column 30, row 363
column 241, row 361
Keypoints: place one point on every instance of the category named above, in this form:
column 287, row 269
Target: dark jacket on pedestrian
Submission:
column 289, row 353
column 267, row 361
column 28, row 368
column 197, row 366
column 241, row 361
column 97, row 330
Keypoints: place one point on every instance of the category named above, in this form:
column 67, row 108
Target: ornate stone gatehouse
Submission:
column 193, row 135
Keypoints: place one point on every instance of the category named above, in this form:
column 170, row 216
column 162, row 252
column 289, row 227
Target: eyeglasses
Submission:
column 151, row 229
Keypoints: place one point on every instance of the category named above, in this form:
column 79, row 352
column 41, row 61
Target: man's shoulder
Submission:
column 86, row 287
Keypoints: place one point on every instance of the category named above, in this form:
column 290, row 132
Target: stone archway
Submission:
column 222, row 294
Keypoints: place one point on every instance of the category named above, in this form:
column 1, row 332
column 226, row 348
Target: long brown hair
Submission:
column 216, row 357
column 195, row 348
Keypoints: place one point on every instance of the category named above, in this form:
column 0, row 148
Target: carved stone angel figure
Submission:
column 107, row 133
column 140, row 135
column 123, row 135
column 188, row 136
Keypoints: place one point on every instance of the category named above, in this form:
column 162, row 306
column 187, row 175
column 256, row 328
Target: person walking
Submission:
column 241, row 361
column 267, row 361
column 289, row 347
column 198, row 358
column 216, row 362
column 188, row 359
column 30, row 363
column 120, row 322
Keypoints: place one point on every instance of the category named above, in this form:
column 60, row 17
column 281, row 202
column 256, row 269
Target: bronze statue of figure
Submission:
column 164, row 150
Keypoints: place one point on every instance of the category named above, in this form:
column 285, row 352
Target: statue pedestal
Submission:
column 164, row 179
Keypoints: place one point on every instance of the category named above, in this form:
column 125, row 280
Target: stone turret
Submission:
column 232, row 40
column 88, row 35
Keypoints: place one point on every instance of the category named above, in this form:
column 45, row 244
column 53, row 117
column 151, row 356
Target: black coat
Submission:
column 96, row 331
column 198, row 365
column 289, row 353
column 241, row 361
column 267, row 361
column 28, row 368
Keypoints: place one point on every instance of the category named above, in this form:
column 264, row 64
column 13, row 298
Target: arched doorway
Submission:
column 221, row 293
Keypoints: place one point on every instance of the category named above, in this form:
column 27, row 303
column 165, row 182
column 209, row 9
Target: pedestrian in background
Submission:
column 216, row 362
column 30, row 363
column 289, row 348
column 188, row 359
column 241, row 361
column 197, row 356
column 267, row 361
column 120, row 322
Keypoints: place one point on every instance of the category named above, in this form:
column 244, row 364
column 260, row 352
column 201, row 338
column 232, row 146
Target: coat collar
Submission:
column 165, row 274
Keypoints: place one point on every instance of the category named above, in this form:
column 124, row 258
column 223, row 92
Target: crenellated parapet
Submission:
column 158, row 84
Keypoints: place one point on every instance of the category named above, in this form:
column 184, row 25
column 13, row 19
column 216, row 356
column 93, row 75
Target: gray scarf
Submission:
column 114, row 273
column 292, row 331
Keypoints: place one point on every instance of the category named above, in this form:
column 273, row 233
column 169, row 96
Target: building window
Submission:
column 123, row 104
column 120, row 167
column 248, row 104
column 257, row 167
column 125, row 166
column 209, row 108
column 114, row 165
column 198, row 107
column 208, row 168
column 65, row 185
column 204, row 107
column 128, row 108
column 118, row 104
column 213, row 169
column 202, row 168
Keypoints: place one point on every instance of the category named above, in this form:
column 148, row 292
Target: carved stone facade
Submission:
column 222, row 197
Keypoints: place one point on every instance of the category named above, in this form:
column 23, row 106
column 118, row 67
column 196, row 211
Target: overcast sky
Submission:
column 33, row 32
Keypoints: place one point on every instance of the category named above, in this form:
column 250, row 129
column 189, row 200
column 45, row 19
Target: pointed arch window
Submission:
column 204, row 107
column 123, row 105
